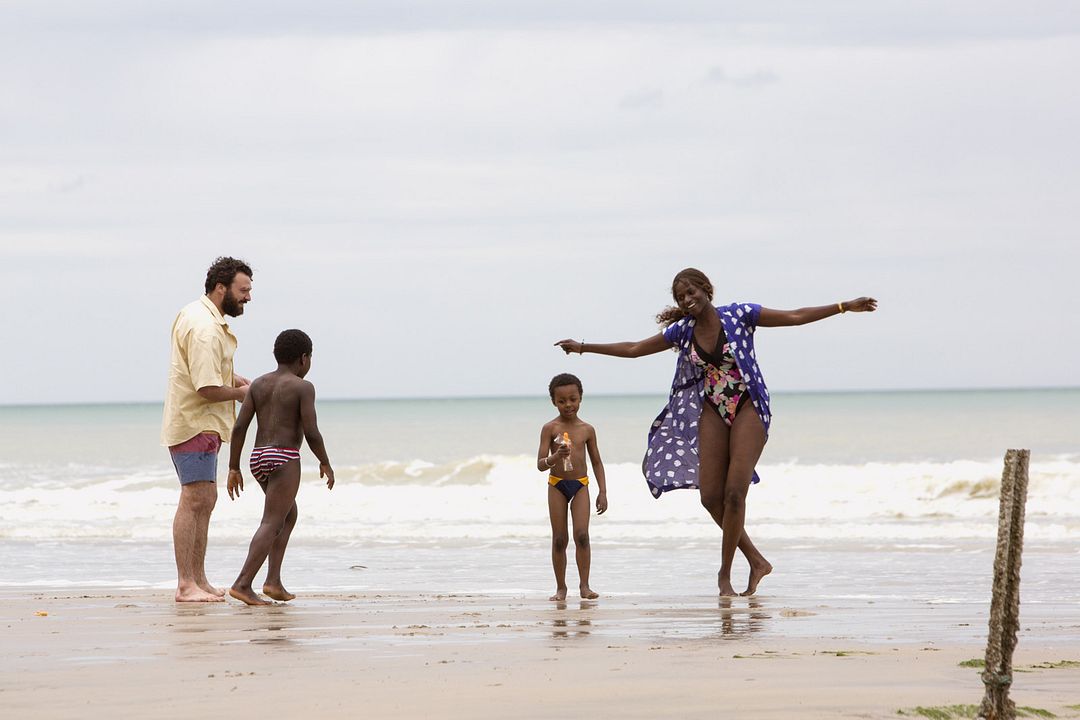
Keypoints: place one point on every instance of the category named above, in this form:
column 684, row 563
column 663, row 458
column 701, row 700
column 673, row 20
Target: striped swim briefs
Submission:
column 265, row 460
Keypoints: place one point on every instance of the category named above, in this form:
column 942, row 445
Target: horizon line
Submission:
column 451, row 398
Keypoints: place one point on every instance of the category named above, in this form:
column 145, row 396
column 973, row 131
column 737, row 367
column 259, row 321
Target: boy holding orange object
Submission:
column 563, row 445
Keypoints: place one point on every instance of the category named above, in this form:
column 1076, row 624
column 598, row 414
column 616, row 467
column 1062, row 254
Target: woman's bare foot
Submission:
column 277, row 592
column 559, row 596
column 248, row 596
column 726, row 590
column 197, row 595
column 756, row 573
column 588, row 594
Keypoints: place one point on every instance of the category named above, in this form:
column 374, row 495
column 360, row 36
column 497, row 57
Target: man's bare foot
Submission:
column 277, row 592
column 725, row 586
column 197, row 595
column 756, row 573
column 248, row 596
column 588, row 594
column 207, row 587
column 559, row 596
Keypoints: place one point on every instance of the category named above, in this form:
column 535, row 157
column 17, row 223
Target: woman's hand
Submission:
column 570, row 346
column 863, row 304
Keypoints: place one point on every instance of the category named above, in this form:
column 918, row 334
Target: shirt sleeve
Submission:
column 673, row 333
column 752, row 314
column 205, row 353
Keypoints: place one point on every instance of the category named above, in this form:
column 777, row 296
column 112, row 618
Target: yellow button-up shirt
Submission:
column 202, row 356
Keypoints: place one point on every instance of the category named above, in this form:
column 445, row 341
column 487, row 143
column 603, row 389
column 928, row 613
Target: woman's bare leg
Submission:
column 746, row 440
column 714, row 456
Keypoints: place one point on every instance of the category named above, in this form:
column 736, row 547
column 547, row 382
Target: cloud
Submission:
column 758, row 78
column 643, row 99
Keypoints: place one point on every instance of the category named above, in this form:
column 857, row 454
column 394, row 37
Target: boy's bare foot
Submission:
column 559, row 596
column 588, row 594
column 277, row 592
column 725, row 586
column 248, row 596
column 756, row 573
column 197, row 595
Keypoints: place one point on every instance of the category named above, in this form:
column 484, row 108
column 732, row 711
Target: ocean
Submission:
column 894, row 491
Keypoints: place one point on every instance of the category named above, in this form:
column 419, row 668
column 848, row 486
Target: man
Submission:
column 199, row 415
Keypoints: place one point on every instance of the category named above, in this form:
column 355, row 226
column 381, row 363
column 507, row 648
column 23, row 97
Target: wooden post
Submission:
column 1005, row 601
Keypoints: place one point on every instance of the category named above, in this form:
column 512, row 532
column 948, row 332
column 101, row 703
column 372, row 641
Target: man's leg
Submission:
column 190, row 525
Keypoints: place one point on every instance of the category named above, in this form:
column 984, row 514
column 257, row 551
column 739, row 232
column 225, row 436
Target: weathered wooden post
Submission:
column 1005, row 601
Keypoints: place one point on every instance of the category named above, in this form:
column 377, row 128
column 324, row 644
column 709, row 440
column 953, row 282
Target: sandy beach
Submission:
column 71, row 654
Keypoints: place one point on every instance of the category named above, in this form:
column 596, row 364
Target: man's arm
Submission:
column 220, row 393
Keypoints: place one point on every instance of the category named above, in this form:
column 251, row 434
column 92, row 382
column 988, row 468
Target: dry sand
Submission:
column 139, row 655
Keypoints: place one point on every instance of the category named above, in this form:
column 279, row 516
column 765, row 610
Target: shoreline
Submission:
column 139, row 654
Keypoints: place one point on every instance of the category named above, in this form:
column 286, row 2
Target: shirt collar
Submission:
column 209, row 305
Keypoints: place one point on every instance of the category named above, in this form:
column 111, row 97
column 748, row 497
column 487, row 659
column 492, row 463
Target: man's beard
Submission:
column 231, row 306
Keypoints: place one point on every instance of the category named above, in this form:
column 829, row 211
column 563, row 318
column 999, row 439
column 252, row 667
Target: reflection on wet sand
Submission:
column 742, row 622
column 562, row 627
column 270, row 624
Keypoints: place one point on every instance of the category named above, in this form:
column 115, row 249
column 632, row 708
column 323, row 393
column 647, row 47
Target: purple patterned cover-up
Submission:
column 671, row 461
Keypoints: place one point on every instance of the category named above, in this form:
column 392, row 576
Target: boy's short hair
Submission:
column 224, row 271
column 564, row 379
column 290, row 345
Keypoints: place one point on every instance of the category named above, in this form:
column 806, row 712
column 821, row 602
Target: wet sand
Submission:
column 135, row 654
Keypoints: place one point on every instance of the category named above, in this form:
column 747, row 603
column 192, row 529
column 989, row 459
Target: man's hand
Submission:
column 235, row 483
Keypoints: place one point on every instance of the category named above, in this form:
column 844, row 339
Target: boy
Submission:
column 284, row 404
column 569, row 486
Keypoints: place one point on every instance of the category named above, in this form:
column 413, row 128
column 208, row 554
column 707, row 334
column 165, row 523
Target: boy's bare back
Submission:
column 279, row 398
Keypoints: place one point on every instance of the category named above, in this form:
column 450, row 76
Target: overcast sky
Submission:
column 437, row 191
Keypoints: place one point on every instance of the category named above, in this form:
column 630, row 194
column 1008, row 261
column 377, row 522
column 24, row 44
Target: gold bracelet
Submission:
column 841, row 306
column 581, row 348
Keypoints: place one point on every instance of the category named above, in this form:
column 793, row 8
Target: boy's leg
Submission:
column 580, row 509
column 281, row 489
column 272, row 587
column 190, row 525
column 557, row 512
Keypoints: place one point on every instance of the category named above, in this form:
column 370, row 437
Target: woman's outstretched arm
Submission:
column 783, row 318
column 648, row 346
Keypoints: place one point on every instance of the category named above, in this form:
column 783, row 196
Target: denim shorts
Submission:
column 195, row 460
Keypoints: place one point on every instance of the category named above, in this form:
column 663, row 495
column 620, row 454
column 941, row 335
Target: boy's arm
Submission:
column 598, row 471
column 545, row 459
column 235, row 483
column 311, row 431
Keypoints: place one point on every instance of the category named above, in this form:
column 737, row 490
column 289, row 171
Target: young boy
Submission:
column 570, row 486
column 284, row 404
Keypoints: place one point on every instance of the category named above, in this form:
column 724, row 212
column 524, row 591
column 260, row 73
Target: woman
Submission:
column 716, row 422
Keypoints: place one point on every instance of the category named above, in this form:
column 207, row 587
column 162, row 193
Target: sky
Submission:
column 438, row 191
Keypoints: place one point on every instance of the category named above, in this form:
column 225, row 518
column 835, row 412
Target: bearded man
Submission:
column 200, row 409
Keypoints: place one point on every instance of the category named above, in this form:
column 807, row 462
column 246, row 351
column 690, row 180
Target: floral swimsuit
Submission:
column 725, row 390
